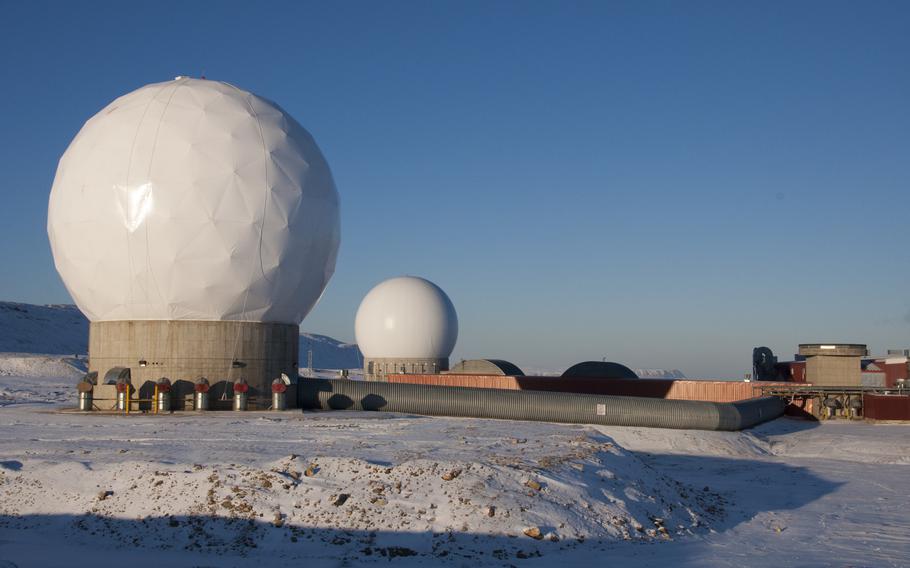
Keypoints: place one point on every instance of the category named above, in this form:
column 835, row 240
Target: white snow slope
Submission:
column 27, row 328
column 659, row 373
column 329, row 353
column 350, row 489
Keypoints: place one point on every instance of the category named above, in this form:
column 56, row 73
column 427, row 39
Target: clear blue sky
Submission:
column 666, row 184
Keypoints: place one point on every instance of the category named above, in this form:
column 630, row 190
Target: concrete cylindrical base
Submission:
column 183, row 351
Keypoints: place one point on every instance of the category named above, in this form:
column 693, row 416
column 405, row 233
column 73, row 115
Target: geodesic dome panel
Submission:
column 194, row 200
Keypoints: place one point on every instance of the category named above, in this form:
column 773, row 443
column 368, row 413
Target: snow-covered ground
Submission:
column 38, row 378
column 346, row 489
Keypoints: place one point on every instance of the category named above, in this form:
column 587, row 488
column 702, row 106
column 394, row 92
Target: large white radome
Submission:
column 194, row 200
column 406, row 317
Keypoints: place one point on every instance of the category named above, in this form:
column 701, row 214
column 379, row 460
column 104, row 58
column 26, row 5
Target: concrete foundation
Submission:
column 377, row 369
column 182, row 351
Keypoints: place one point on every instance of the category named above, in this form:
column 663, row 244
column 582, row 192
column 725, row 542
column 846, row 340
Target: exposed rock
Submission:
column 450, row 475
column 533, row 532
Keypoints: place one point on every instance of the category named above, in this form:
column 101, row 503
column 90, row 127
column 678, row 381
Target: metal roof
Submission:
column 486, row 367
column 600, row 369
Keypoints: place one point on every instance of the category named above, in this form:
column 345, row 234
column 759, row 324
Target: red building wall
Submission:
column 713, row 391
column 886, row 407
column 893, row 372
column 798, row 371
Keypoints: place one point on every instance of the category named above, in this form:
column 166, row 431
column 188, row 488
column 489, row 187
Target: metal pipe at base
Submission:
column 164, row 401
column 86, row 392
column 279, row 393
column 163, row 395
column 86, row 401
column 241, row 394
column 121, row 401
column 340, row 394
column 201, row 394
column 240, row 401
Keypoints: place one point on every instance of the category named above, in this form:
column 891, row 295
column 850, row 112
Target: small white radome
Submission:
column 406, row 317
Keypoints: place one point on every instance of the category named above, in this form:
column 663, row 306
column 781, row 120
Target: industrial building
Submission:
column 834, row 364
column 838, row 379
column 886, row 370
column 195, row 224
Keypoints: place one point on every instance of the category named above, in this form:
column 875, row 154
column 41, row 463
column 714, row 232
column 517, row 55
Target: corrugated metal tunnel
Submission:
column 341, row 394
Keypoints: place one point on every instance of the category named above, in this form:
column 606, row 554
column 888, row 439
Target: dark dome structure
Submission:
column 600, row 370
column 486, row 367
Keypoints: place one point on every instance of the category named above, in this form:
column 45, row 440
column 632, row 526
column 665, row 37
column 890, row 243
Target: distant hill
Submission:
column 63, row 330
column 659, row 373
column 52, row 329
column 329, row 353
